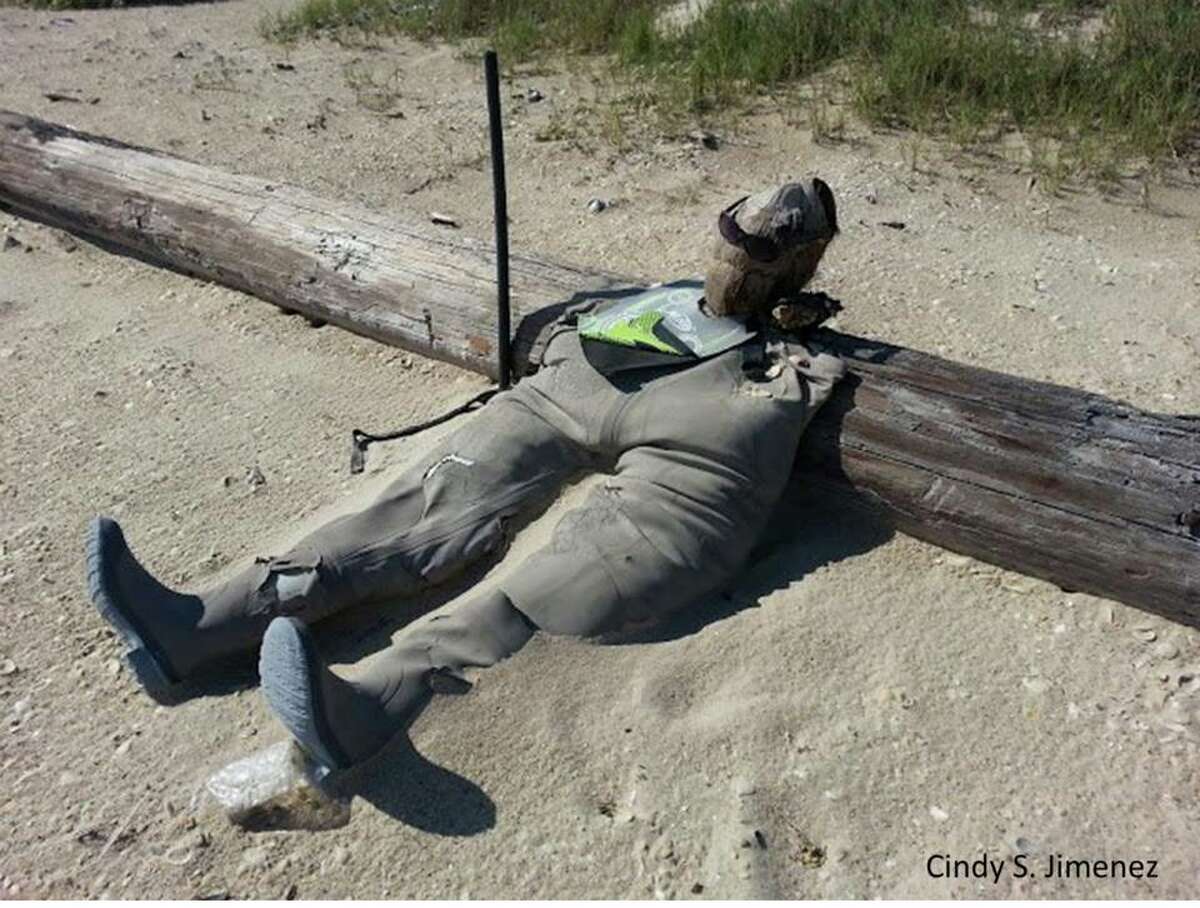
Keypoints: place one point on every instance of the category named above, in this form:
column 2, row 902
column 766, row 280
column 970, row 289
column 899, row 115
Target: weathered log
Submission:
column 1075, row 488
column 424, row 288
column 1071, row 487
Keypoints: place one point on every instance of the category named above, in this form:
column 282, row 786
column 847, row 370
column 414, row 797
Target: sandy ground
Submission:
column 856, row 703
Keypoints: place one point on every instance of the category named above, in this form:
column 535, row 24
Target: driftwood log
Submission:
column 1074, row 488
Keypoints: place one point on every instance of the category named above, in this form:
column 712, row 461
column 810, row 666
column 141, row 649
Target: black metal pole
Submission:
column 491, row 76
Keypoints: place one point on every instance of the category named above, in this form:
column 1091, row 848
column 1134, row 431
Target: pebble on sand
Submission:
column 1035, row 685
column 1166, row 650
column 743, row 787
column 184, row 849
column 254, row 859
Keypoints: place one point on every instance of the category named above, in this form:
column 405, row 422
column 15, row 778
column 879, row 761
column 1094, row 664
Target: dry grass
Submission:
column 1094, row 88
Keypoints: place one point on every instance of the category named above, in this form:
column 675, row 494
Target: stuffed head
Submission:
column 768, row 247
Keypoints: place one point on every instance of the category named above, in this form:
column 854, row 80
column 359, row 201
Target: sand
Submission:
column 856, row 703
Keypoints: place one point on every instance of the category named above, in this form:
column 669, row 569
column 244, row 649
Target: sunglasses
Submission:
column 763, row 249
column 759, row 248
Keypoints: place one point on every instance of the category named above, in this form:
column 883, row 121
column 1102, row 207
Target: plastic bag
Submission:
column 278, row 788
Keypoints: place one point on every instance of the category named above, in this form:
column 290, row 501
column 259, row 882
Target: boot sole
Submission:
column 105, row 537
column 289, row 668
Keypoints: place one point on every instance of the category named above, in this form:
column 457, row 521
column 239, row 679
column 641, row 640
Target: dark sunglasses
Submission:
column 759, row 248
column 763, row 249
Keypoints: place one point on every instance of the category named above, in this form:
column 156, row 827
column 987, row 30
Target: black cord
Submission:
column 360, row 440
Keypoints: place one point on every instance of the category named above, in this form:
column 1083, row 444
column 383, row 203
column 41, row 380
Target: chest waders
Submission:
column 697, row 455
column 696, row 421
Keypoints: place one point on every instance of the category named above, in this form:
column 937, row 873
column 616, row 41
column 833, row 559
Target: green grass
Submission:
column 519, row 29
column 1095, row 101
column 1129, row 94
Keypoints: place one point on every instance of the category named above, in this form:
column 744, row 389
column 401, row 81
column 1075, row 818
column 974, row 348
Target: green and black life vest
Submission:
column 659, row 326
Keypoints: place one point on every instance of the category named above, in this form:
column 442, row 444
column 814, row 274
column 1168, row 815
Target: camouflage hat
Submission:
column 768, row 246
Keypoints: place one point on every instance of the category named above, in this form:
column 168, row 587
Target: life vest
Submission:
column 659, row 326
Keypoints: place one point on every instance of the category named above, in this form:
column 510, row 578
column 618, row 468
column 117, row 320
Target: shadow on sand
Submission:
column 401, row 783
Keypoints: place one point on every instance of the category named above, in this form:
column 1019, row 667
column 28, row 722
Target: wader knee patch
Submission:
column 581, row 531
column 285, row 585
column 465, row 508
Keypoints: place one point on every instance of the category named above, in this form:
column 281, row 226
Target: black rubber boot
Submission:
column 342, row 721
column 175, row 637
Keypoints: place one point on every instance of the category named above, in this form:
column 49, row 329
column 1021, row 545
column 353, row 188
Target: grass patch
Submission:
column 1092, row 86
column 970, row 71
column 518, row 29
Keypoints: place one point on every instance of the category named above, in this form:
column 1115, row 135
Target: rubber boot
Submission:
column 174, row 637
column 341, row 721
